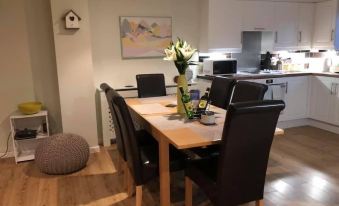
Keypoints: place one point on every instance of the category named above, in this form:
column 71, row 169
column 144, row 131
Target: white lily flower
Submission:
column 185, row 45
column 171, row 55
column 187, row 53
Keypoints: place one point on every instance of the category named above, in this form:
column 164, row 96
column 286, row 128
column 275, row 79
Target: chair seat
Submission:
column 204, row 152
column 145, row 138
column 149, row 153
column 204, row 173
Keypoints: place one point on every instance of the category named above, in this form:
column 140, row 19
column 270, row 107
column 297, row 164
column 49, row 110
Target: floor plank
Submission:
column 303, row 171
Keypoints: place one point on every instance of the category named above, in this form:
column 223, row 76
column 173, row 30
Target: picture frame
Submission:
column 144, row 36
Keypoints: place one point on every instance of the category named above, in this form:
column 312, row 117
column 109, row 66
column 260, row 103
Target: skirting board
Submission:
column 93, row 149
column 308, row 122
column 9, row 154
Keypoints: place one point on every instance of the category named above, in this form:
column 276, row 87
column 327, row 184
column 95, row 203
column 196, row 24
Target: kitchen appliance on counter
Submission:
column 219, row 67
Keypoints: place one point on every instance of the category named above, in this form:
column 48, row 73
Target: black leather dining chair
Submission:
column 142, row 159
column 245, row 91
column 110, row 93
column 143, row 137
column 151, row 85
column 237, row 175
column 221, row 91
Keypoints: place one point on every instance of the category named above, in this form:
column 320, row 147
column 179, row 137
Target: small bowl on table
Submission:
column 207, row 118
column 29, row 108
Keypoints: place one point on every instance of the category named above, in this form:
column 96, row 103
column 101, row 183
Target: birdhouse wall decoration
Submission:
column 72, row 20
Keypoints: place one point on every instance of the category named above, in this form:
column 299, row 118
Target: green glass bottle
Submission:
column 203, row 101
column 186, row 100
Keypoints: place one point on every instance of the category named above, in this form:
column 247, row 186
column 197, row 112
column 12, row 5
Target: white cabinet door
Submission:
column 324, row 24
column 257, row 16
column 224, row 25
column 321, row 100
column 334, row 115
column 203, row 84
column 286, row 22
column 296, row 98
column 305, row 25
column 294, row 91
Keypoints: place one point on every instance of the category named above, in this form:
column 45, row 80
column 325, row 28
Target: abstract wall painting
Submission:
column 144, row 37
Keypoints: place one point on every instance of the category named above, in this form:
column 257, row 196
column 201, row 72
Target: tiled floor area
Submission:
column 303, row 171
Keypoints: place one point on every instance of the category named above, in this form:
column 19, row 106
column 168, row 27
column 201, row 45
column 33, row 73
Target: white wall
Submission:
column 42, row 59
column 16, row 75
column 75, row 71
column 104, row 17
column 27, row 62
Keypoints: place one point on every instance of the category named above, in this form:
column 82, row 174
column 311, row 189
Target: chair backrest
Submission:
column 110, row 93
column 246, row 142
column 245, row 91
column 221, row 91
column 130, row 138
column 151, row 85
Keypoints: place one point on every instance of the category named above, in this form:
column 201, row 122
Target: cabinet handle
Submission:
column 331, row 88
column 276, row 37
column 300, row 36
column 336, row 88
column 286, row 87
column 332, row 35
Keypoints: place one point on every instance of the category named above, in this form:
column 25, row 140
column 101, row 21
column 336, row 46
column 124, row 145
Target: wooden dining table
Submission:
column 158, row 115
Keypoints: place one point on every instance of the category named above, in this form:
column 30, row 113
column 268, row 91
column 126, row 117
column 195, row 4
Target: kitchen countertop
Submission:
column 248, row 76
column 132, row 88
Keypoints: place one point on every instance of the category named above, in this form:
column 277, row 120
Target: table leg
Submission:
column 164, row 171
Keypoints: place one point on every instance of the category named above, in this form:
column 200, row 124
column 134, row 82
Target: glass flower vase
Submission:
column 182, row 82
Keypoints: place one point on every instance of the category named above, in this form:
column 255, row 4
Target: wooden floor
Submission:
column 303, row 171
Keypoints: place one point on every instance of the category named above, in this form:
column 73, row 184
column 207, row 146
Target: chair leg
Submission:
column 120, row 166
column 138, row 196
column 188, row 191
column 125, row 179
column 259, row 203
column 129, row 183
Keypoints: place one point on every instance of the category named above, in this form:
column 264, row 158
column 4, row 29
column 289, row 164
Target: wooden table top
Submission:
column 165, row 122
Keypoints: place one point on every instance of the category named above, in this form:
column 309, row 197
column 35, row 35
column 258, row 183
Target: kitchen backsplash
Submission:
column 314, row 61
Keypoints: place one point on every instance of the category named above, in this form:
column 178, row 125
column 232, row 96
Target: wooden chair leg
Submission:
column 129, row 183
column 125, row 179
column 188, row 191
column 120, row 166
column 259, row 203
column 138, row 196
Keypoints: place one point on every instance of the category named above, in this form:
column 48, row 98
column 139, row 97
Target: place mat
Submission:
column 156, row 108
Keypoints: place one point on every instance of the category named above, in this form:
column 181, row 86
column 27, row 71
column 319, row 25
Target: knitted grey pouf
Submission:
column 62, row 154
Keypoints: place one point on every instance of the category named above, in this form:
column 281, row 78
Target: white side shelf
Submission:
column 24, row 149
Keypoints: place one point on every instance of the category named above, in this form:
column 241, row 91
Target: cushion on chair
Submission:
column 62, row 154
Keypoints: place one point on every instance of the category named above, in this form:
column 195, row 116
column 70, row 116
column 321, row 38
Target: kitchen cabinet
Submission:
column 221, row 26
column 305, row 25
column 202, row 85
column 324, row 25
column 296, row 98
column 334, row 116
column 322, row 99
column 286, row 35
column 257, row 16
column 294, row 91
